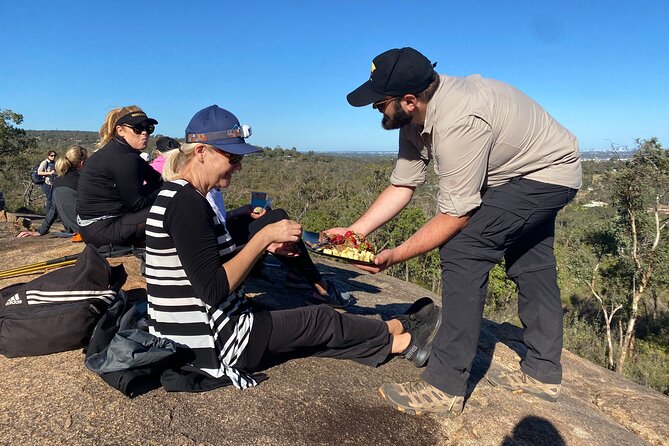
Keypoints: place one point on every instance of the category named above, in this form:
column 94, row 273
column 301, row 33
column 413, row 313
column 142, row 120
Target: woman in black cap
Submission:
column 117, row 187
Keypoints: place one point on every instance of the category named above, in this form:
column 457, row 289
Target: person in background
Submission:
column 65, row 186
column 505, row 169
column 117, row 187
column 46, row 169
column 163, row 145
column 195, row 276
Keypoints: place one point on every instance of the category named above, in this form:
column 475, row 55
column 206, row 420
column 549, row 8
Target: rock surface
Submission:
column 54, row 400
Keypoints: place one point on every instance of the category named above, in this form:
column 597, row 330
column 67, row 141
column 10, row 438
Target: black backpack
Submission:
column 34, row 176
column 58, row 311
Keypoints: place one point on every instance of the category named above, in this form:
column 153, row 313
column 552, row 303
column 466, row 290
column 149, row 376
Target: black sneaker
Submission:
column 416, row 314
column 422, row 335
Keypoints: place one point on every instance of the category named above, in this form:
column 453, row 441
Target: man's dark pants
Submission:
column 516, row 221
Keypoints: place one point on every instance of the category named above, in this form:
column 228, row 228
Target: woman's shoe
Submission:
column 333, row 298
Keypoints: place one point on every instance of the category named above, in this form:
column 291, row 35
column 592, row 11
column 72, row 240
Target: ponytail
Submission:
column 108, row 129
column 176, row 159
column 73, row 156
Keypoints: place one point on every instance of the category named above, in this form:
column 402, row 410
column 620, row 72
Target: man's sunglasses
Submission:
column 381, row 105
column 139, row 128
column 233, row 158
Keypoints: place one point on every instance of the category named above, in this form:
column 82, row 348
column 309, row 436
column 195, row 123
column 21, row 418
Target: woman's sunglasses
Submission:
column 233, row 158
column 139, row 128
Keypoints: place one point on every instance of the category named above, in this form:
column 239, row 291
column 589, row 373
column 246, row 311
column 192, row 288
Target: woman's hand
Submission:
column 24, row 234
column 247, row 210
column 288, row 249
column 282, row 231
column 256, row 215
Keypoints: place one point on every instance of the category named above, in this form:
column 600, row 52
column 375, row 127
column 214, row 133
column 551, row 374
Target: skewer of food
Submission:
column 349, row 246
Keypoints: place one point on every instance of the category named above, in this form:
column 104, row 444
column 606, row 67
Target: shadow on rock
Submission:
column 533, row 431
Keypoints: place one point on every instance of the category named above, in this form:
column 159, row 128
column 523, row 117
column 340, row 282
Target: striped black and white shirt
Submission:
column 188, row 292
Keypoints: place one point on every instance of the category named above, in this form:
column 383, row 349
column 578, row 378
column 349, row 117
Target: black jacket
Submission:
column 116, row 181
column 133, row 361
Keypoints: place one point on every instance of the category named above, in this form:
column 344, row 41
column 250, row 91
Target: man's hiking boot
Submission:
column 418, row 397
column 416, row 314
column 423, row 328
column 333, row 298
column 519, row 382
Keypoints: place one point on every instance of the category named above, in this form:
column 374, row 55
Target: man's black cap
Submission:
column 165, row 143
column 396, row 72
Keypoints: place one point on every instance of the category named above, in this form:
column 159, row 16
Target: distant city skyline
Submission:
column 598, row 67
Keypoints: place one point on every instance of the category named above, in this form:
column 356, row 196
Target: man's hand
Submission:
column 335, row 231
column 383, row 260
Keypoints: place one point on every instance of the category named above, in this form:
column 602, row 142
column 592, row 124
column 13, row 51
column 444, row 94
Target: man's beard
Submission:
column 399, row 119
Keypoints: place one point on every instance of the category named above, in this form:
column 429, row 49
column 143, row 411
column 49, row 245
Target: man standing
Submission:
column 505, row 169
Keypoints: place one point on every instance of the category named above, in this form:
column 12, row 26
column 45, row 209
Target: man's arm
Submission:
column 387, row 205
column 437, row 231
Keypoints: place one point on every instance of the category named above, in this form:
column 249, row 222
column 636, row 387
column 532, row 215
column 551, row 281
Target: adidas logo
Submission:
column 14, row 300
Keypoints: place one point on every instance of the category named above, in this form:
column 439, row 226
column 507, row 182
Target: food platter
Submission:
column 314, row 244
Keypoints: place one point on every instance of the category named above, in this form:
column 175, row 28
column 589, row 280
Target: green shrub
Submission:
column 649, row 366
column 584, row 339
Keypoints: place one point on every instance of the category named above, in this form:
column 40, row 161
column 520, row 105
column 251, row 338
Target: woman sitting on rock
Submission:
column 244, row 221
column 195, row 279
column 117, row 187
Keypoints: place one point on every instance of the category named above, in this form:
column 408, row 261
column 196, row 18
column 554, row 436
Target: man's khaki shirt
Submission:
column 482, row 133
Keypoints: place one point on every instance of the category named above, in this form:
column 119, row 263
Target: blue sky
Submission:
column 599, row 67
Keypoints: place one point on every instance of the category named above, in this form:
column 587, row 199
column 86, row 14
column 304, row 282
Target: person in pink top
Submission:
column 163, row 145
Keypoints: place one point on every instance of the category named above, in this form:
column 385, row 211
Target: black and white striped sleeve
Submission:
column 190, row 222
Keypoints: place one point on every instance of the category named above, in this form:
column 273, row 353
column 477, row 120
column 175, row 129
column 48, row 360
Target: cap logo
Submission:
column 373, row 68
column 196, row 137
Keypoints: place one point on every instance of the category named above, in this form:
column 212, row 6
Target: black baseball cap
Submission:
column 134, row 118
column 396, row 72
column 165, row 143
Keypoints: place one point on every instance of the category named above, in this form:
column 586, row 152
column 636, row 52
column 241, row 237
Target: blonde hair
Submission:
column 176, row 159
column 108, row 129
column 73, row 156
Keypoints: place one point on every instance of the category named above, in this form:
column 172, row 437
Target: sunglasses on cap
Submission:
column 139, row 128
